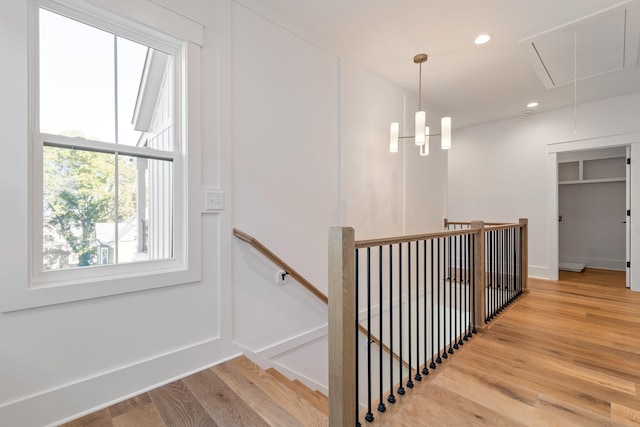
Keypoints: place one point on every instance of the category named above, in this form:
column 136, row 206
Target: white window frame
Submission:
column 158, row 28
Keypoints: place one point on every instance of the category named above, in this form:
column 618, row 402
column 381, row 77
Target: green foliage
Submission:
column 80, row 191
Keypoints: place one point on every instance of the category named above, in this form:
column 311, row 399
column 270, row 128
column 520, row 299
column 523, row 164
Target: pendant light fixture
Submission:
column 421, row 135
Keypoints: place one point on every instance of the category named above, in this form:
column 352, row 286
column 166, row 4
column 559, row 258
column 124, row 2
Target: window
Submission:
column 99, row 95
column 113, row 203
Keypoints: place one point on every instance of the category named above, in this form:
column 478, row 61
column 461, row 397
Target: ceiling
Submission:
column 531, row 56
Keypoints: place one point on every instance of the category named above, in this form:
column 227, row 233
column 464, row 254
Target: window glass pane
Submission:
column 104, row 208
column 78, row 208
column 131, row 64
column 132, row 210
column 159, row 190
column 76, row 79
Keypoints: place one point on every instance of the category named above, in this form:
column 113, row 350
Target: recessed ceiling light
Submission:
column 532, row 104
column 482, row 39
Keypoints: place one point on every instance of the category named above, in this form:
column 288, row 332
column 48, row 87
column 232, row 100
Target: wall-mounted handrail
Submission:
column 280, row 263
column 255, row 243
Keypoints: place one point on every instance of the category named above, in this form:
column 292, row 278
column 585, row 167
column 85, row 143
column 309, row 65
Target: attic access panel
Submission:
column 591, row 46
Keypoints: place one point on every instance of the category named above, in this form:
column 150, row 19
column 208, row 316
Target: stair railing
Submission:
column 423, row 298
column 506, row 258
column 256, row 244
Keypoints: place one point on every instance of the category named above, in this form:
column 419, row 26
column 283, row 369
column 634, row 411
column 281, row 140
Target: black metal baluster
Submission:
column 520, row 254
column 467, row 288
column 391, row 398
column 381, row 406
column 451, row 338
column 409, row 381
column 512, row 277
column 493, row 274
column 505, row 268
column 417, row 376
column 459, row 291
column 461, row 305
column 505, row 262
column 509, row 266
column 472, row 289
column 496, row 299
column 425, row 370
column 432, row 365
column 439, row 359
column 456, row 271
column 522, row 271
column 500, row 264
column 502, row 268
column 401, row 364
column 487, row 276
column 357, row 352
column 369, row 415
column 446, row 260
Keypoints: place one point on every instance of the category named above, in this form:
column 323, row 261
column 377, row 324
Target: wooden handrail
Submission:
column 304, row 282
column 496, row 227
column 280, row 263
column 447, row 223
column 403, row 239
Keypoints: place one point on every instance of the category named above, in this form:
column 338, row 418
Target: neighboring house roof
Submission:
column 155, row 66
column 106, row 232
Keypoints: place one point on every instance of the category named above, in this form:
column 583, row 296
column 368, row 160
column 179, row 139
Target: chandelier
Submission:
column 422, row 135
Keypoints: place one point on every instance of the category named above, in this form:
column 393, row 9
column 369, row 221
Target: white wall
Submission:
column 385, row 194
column 285, row 128
column 310, row 136
column 62, row 360
column 297, row 138
column 498, row 171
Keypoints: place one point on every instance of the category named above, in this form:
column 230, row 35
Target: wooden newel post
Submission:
column 524, row 236
column 342, row 328
column 479, row 266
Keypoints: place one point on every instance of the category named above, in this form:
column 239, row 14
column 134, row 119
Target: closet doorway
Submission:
column 593, row 202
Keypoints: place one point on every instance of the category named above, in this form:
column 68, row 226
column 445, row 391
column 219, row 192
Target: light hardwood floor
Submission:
column 565, row 354
column 233, row 394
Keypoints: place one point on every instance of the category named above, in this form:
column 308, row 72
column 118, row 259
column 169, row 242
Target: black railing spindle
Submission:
column 381, row 406
column 401, row 390
column 369, row 415
column 417, row 376
column 438, row 303
column 391, row 398
column 432, row 365
column 357, row 347
column 425, row 370
column 409, row 381
column 451, row 338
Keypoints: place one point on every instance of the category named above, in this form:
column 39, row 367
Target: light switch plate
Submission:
column 213, row 200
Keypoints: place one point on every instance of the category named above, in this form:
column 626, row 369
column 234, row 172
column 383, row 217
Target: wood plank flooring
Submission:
column 565, row 354
column 233, row 394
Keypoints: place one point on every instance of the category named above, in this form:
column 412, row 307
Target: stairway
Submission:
column 235, row 393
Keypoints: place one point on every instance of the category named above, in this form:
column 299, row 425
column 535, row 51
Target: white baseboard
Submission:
column 266, row 357
column 601, row 263
column 70, row 401
column 540, row 272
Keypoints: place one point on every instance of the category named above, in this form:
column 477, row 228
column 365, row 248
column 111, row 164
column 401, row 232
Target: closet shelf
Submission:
column 591, row 181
